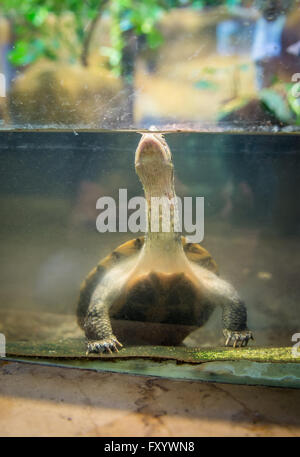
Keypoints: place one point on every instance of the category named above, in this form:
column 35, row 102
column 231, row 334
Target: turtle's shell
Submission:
column 158, row 298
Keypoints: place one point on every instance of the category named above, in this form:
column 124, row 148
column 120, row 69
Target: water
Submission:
column 50, row 182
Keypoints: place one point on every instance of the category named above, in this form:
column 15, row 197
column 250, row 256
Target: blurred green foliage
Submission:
column 284, row 104
column 276, row 104
column 30, row 19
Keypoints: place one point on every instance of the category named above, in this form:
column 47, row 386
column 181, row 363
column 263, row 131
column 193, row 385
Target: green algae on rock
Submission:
column 75, row 348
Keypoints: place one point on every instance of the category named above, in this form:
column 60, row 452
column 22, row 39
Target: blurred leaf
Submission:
column 25, row 53
column 125, row 24
column 244, row 67
column 294, row 98
column 276, row 104
column 209, row 70
column 198, row 4
column 154, row 39
column 204, row 84
column 113, row 54
column 37, row 16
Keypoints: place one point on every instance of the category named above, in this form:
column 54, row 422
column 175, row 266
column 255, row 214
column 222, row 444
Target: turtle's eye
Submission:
column 160, row 138
column 163, row 140
column 165, row 145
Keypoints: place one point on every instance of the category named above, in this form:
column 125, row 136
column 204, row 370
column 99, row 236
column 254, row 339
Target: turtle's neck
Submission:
column 162, row 215
column 155, row 169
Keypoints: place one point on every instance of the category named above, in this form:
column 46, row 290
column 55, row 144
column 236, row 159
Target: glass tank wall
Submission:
column 50, row 183
column 173, row 65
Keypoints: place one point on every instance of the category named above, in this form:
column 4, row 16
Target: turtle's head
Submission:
column 153, row 164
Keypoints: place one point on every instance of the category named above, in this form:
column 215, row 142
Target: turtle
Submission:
column 159, row 280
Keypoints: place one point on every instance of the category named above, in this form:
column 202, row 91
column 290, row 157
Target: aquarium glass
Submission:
column 51, row 182
column 202, row 65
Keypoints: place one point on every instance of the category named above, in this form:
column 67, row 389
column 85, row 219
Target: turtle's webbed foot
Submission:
column 105, row 345
column 237, row 338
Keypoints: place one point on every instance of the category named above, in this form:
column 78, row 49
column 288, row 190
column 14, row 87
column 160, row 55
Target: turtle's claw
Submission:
column 109, row 345
column 238, row 339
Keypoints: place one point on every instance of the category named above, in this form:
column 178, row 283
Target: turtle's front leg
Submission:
column 97, row 326
column 234, row 313
column 234, row 317
column 98, row 329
